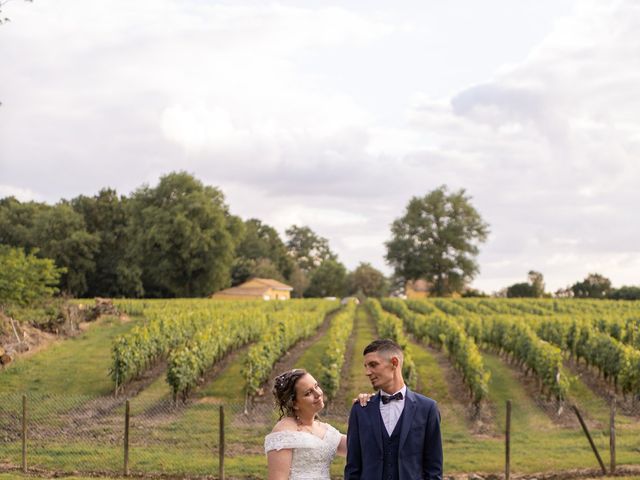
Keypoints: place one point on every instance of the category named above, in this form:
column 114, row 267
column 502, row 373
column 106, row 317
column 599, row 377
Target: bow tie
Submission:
column 387, row 398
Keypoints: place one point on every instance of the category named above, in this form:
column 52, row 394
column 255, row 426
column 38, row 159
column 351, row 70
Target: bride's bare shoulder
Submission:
column 284, row 425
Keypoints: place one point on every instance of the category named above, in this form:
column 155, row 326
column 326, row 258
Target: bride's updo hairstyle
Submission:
column 284, row 389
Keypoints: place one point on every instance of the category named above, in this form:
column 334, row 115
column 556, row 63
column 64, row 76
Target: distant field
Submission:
column 540, row 354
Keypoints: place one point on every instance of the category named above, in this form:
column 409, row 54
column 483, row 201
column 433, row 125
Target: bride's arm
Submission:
column 342, row 446
column 279, row 464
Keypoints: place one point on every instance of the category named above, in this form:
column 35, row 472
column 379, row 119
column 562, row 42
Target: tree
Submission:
column 57, row 232
column 437, row 239
column 261, row 252
column 533, row 289
column 25, row 278
column 307, row 248
column 60, row 233
column 593, row 286
column 328, row 280
column 368, row 281
column 184, row 237
column 299, row 280
column 117, row 273
column 536, row 279
column 626, row 292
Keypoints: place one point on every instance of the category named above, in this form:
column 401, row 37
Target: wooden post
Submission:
column 507, row 437
column 221, row 446
column 24, row 433
column 593, row 445
column 126, row 438
column 612, row 435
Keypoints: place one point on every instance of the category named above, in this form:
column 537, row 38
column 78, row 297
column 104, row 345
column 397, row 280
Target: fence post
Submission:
column 593, row 445
column 221, row 447
column 24, row 433
column 126, row 439
column 612, row 435
column 507, row 464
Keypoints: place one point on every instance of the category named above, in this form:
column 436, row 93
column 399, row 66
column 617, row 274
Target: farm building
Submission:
column 256, row 289
column 417, row 288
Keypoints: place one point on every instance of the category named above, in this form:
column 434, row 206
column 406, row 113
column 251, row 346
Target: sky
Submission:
column 334, row 115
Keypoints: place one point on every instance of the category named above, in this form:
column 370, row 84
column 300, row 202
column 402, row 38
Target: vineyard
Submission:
column 178, row 361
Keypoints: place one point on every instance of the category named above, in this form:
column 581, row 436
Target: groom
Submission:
column 396, row 436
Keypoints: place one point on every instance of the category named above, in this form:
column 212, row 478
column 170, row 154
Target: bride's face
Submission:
column 309, row 396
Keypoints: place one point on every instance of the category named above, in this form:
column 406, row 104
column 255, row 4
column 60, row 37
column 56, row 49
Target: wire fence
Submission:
column 105, row 436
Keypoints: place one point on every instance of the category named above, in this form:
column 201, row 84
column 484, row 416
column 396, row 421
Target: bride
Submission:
column 300, row 446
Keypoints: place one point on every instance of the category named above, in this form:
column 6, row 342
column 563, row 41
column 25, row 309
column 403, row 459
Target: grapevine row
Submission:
column 390, row 326
column 334, row 355
column 439, row 330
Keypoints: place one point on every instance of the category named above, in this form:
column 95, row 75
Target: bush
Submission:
column 25, row 278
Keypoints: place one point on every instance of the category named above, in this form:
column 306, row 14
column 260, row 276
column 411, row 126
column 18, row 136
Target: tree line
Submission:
column 176, row 239
column 594, row 285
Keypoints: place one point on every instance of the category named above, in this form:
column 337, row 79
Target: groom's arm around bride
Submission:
column 396, row 436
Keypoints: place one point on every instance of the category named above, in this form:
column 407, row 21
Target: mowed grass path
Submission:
column 76, row 366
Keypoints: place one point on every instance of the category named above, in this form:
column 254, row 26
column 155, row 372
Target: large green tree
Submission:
column 532, row 289
column 437, row 239
column 307, row 248
column 184, row 237
column 328, row 280
column 593, row 286
column 261, row 253
column 117, row 273
column 368, row 281
column 60, row 233
column 57, row 232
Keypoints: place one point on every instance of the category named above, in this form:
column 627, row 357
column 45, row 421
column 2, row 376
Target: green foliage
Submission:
column 440, row 330
column 390, row 326
column 25, row 278
column 183, row 237
column 308, row 249
column 116, row 272
column 511, row 334
column 593, row 286
column 57, row 232
column 261, row 253
column 625, row 293
column 533, row 289
column 368, row 281
column 328, row 280
column 436, row 239
column 331, row 369
column 286, row 327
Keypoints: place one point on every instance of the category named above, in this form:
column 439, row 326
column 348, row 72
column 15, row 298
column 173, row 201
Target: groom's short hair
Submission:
column 386, row 347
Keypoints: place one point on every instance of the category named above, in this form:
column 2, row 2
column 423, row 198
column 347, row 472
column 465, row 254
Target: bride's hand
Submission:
column 363, row 398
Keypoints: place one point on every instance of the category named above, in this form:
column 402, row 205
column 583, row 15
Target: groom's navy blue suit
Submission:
column 412, row 452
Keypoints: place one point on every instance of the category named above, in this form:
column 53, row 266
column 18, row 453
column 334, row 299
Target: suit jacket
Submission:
column 420, row 453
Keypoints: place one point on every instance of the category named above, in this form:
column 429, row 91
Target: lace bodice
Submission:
column 312, row 455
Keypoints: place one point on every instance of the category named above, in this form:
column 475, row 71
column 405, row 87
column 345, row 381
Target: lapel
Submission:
column 375, row 419
column 407, row 417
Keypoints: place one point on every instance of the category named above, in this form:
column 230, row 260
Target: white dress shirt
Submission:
column 391, row 411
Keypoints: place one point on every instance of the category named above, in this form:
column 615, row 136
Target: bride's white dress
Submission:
column 312, row 455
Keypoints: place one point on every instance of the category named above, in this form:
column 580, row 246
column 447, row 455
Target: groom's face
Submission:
column 380, row 370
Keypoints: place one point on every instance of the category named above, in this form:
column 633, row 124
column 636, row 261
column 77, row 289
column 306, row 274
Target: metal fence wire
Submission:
column 84, row 435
